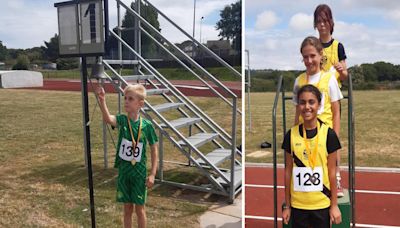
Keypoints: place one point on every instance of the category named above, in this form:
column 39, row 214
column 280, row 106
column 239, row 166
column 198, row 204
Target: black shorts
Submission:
column 310, row 218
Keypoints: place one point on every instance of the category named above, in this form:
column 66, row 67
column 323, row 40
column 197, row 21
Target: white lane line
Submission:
column 357, row 224
column 378, row 192
column 357, row 191
column 261, row 217
column 262, row 186
column 344, row 168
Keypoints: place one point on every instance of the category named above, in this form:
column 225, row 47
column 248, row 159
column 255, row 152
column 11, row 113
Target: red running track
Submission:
column 187, row 87
column 371, row 208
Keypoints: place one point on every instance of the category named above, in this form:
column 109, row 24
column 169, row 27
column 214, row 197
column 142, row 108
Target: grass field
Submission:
column 42, row 172
column 377, row 133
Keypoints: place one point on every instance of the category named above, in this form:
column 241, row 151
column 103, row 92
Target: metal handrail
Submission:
column 179, row 95
column 351, row 150
column 176, row 92
column 194, row 63
column 278, row 90
column 187, row 68
column 229, row 139
column 175, row 131
column 215, row 56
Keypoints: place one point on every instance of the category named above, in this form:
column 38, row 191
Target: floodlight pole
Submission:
column 86, row 130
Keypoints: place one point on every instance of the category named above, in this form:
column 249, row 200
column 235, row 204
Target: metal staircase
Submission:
column 207, row 146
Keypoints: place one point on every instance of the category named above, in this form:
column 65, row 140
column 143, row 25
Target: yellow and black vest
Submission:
column 310, row 200
column 323, row 85
column 331, row 57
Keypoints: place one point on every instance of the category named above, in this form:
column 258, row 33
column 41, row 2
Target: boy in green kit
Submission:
column 134, row 134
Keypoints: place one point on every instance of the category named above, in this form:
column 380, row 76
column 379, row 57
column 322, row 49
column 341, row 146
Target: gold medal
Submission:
column 135, row 142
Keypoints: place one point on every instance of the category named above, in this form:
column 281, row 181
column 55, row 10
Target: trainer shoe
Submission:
column 339, row 191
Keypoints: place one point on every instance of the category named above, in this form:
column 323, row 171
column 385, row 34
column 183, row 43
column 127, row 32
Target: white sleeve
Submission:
column 295, row 89
column 334, row 90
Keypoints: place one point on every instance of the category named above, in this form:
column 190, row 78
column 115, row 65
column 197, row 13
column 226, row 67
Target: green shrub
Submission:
column 22, row 63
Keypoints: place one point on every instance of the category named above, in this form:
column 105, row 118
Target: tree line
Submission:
column 378, row 75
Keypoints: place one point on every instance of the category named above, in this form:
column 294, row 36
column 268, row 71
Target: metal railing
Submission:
column 274, row 149
column 230, row 139
column 209, row 122
column 351, row 150
column 204, row 48
column 227, row 138
column 183, row 54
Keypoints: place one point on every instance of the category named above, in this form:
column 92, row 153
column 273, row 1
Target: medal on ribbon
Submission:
column 135, row 142
column 312, row 156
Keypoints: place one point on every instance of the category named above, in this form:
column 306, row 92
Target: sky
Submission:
column 274, row 30
column 28, row 23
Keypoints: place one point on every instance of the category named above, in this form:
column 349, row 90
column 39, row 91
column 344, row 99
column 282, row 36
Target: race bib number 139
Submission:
column 307, row 180
column 128, row 153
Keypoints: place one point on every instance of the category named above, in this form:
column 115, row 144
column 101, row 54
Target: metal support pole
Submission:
column 351, row 151
column 86, row 131
column 119, row 98
column 233, row 153
column 161, row 158
column 83, row 116
column 104, row 127
column 283, row 113
column 248, row 85
column 119, row 53
column 137, row 35
column 190, row 151
column 106, row 28
column 274, row 149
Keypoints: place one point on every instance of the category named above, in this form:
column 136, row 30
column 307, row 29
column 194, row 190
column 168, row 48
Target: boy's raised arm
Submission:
column 110, row 119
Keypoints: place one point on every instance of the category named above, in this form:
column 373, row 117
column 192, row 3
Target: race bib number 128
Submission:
column 307, row 180
column 128, row 153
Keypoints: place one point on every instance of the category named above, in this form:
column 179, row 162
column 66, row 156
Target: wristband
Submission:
column 285, row 206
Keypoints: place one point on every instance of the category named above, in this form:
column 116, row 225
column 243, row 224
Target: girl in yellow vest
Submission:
column 334, row 58
column 329, row 112
column 310, row 182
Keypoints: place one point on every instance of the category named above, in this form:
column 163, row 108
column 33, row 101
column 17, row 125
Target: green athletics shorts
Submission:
column 131, row 189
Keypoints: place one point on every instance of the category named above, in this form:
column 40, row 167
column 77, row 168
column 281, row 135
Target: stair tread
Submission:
column 182, row 122
column 156, row 91
column 137, row 77
column 118, row 61
column 217, row 156
column 165, row 106
column 238, row 176
column 199, row 139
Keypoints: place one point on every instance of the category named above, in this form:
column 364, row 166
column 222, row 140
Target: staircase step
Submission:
column 182, row 122
column 156, row 91
column 165, row 107
column 199, row 139
column 216, row 157
column 238, row 177
column 121, row 62
column 138, row 77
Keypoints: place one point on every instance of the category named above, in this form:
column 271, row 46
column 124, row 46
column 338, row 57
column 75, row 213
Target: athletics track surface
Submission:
column 187, row 87
column 377, row 197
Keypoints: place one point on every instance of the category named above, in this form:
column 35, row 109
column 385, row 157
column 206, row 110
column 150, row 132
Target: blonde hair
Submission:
column 138, row 89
